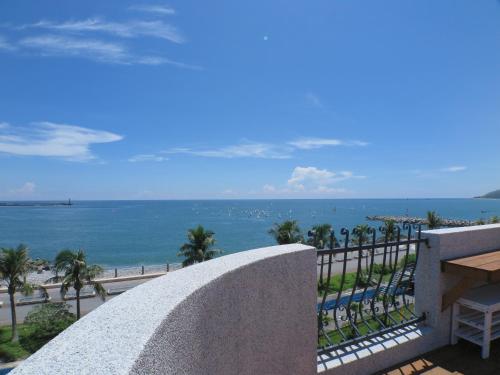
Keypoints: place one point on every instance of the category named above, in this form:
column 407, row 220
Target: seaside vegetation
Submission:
column 433, row 220
column 15, row 264
column 287, row 232
column 199, row 247
column 45, row 322
column 320, row 236
column 40, row 326
column 76, row 274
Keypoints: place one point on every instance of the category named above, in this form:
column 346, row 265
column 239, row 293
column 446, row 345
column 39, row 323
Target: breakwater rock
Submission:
column 420, row 220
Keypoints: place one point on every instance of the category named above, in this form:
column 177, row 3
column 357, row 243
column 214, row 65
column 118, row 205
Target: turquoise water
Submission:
column 117, row 233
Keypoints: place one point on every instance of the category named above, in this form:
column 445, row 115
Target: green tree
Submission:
column 76, row 273
column 390, row 235
column 433, row 220
column 45, row 322
column 494, row 220
column 199, row 247
column 287, row 232
column 360, row 234
column 390, row 229
column 321, row 235
column 361, row 237
column 480, row 222
column 15, row 264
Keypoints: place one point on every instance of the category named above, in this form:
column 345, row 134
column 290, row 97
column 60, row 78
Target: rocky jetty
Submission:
column 420, row 220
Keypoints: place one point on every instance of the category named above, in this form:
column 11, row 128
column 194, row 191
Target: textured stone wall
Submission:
column 247, row 313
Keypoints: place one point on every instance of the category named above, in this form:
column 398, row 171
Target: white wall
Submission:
column 430, row 285
column 247, row 313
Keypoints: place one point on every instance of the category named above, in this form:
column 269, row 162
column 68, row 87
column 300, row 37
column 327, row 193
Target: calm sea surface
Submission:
column 118, row 233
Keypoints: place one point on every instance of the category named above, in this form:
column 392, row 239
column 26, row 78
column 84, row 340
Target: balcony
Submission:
column 274, row 311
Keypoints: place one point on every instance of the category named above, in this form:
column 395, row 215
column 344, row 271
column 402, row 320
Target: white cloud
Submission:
column 310, row 181
column 313, row 100
column 156, row 60
column 314, row 143
column 96, row 50
column 455, row 168
column 147, row 157
column 154, row 8
column 315, row 179
column 269, row 188
column 130, row 29
column 4, row 44
column 27, row 189
column 245, row 150
column 55, row 45
column 53, row 140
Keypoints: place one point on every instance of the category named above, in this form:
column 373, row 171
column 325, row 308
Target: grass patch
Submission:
column 336, row 337
column 13, row 351
column 350, row 281
column 40, row 326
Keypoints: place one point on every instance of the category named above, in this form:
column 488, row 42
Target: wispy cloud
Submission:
column 265, row 150
column 244, row 150
column 147, row 157
column 154, row 8
column 314, row 143
column 56, row 45
column 53, row 140
column 156, row 60
column 130, row 29
column 455, row 168
column 96, row 39
column 4, row 44
column 313, row 100
column 95, row 50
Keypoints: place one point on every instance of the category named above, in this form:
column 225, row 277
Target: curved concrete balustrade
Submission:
column 252, row 312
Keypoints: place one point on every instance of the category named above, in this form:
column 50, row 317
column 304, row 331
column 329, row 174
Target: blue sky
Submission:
column 260, row 99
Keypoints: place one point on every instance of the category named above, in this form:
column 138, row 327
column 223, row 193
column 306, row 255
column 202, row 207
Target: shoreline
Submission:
column 108, row 273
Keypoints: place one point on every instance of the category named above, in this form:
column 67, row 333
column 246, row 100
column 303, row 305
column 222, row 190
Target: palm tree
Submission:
column 320, row 236
column 14, row 266
column 360, row 234
column 390, row 229
column 286, row 233
column 76, row 274
column 199, row 247
column 433, row 220
column 360, row 237
column 390, row 235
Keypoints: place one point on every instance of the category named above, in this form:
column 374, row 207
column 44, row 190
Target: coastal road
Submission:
column 87, row 304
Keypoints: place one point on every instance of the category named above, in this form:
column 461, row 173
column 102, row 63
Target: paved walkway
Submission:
column 87, row 304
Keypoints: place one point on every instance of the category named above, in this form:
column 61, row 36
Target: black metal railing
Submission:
column 365, row 283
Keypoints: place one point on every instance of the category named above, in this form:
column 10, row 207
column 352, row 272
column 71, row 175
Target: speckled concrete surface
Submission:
column 246, row 313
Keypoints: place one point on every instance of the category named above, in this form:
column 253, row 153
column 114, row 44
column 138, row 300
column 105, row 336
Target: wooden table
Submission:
column 476, row 269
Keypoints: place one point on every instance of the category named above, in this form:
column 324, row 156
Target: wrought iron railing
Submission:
column 365, row 283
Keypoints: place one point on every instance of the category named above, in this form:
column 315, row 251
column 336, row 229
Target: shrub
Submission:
column 45, row 322
column 409, row 259
column 380, row 269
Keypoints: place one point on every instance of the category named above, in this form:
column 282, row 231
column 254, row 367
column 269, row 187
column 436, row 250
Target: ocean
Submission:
column 126, row 233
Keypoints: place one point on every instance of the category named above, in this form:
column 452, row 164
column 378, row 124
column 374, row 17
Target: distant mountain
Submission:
column 491, row 195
